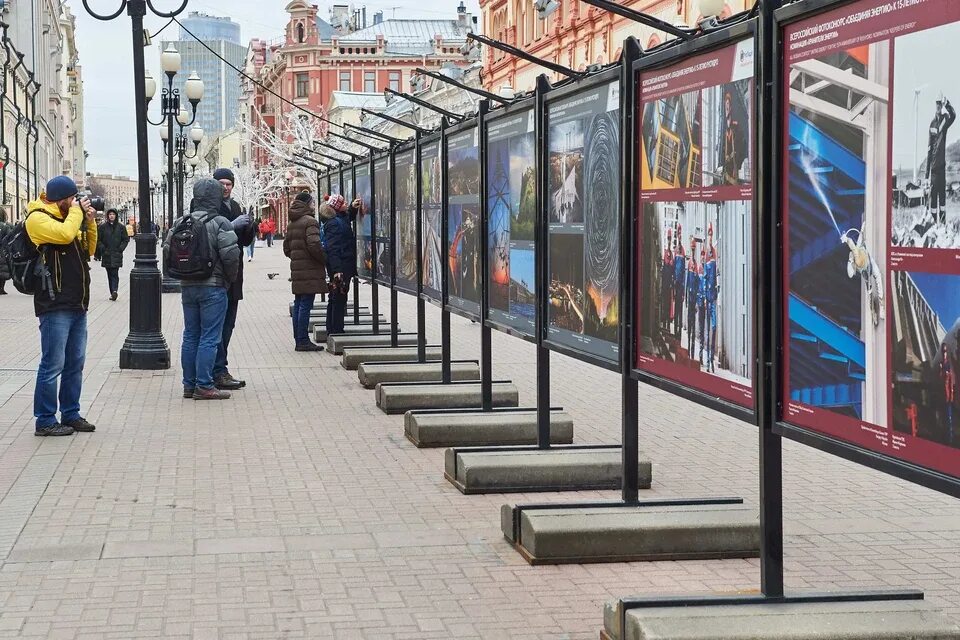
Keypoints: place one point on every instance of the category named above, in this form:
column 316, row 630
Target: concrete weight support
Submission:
column 631, row 533
column 319, row 306
column 320, row 331
column 371, row 374
column 477, row 429
column 556, row 469
column 353, row 357
column 914, row 619
column 337, row 343
column 400, row 398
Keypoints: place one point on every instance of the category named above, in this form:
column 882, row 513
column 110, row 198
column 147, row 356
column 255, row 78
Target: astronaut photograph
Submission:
column 926, row 142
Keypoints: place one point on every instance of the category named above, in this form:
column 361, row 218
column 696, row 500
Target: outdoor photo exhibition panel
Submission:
column 695, row 239
column 463, row 223
column 583, row 217
column 335, row 183
column 346, row 184
column 383, row 220
column 431, row 228
column 511, row 221
column 405, row 220
column 871, row 230
column 364, row 222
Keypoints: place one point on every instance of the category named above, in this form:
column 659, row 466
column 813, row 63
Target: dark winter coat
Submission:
column 4, row 269
column 231, row 210
column 307, row 257
column 220, row 235
column 339, row 242
column 112, row 240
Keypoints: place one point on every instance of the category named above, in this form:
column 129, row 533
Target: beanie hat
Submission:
column 304, row 197
column 61, row 188
column 223, row 174
column 337, row 202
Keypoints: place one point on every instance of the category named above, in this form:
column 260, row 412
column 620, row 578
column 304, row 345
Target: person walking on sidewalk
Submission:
column 341, row 248
column 112, row 241
column 4, row 268
column 267, row 228
column 307, row 267
column 204, row 299
column 65, row 235
column 246, row 235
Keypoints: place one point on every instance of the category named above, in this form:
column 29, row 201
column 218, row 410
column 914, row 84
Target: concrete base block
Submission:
column 627, row 534
column 371, row 374
column 320, row 330
column 483, row 429
column 336, row 344
column 322, row 306
column 402, row 398
column 353, row 357
column 546, row 470
column 914, row 619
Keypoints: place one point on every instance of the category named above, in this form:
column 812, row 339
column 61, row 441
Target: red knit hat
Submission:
column 337, row 202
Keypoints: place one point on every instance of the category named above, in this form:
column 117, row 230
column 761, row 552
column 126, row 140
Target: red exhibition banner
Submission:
column 695, row 266
column 871, row 212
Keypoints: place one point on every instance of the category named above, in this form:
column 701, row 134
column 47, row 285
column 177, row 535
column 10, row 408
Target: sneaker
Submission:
column 55, row 429
column 308, row 346
column 188, row 392
column 227, row 382
column 113, row 296
column 210, row 394
column 80, row 425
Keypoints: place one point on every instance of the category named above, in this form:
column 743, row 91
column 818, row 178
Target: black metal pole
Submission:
column 529, row 57
column 170, row 108
column 421, row 304
column 767, row 317
column 145, row 347
column 653, row 22
column 374, row 287
column 398, row 121
column 474, row 90
column 446, row 375
column 541, row 267
column 629, row 388
column 356, row 223
column 26, row 120
column 486, row 337
column 456, row 117
column 394, row 327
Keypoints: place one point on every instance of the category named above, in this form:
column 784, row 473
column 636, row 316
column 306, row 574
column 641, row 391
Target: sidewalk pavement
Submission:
column 298, row 510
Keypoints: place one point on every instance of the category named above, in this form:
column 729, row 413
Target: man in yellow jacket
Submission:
column 65, row 234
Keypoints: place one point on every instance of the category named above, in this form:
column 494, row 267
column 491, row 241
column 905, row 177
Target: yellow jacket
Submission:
column 43, row 229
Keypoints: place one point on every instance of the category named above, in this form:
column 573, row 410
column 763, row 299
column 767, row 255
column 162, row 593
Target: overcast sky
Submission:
column 105, row 56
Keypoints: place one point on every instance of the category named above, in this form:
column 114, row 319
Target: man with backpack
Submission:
column 201, row 251
column 64, row 235
column 246, row 235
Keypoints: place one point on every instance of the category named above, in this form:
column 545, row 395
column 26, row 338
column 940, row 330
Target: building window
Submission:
column 395, row 80
column 370, row 81
column 344, row 81
column 300, row 34
column 303, row 85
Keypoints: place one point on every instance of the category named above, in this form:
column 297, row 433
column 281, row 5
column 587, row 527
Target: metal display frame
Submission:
column 439, row 139
column 413, row 148
column 720, row 39
column 768, row 59
column 366, row 162
column 590, row 83
column 450, row 132
column 489, row 118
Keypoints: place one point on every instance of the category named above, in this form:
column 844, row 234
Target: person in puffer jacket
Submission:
column 205, row 301
column 340, row 245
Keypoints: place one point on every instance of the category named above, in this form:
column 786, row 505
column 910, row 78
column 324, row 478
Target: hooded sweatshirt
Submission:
column 66, row 244
column 207, row 196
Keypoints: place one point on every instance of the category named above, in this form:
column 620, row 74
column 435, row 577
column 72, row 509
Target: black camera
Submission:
column 98, row 203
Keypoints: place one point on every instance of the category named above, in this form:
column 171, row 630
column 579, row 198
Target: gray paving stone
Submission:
column 152, row 549
column 214, row 546
column 53, row 553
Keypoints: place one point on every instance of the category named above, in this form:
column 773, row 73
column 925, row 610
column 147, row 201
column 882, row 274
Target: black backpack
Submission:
column 189, row 256
column 23, row 260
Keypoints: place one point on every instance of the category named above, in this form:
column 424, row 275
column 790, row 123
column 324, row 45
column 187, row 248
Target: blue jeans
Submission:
column 63, row 350
column 204, row 309
column 251, row 248
column 336, row 311
column 229, row 323
column 302, row 304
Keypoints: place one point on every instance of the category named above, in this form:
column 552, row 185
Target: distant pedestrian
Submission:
column 204, row 295
column 112, row 241
column 65, row 235
column 4, row 268
column 308, row 263
column 267, row 228
column 341, row 247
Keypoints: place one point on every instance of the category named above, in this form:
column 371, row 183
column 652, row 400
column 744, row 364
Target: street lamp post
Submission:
column 145, row 347
column 170, row 110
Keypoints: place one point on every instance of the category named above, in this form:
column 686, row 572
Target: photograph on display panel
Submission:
column 364, row 222
column 405, row 220
column 335, row 183
column 872, row 308
column 431, row 227
column 383, row 221
column 463, row 221
column 695, row 279
column 583, row 139
column 511, row 206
